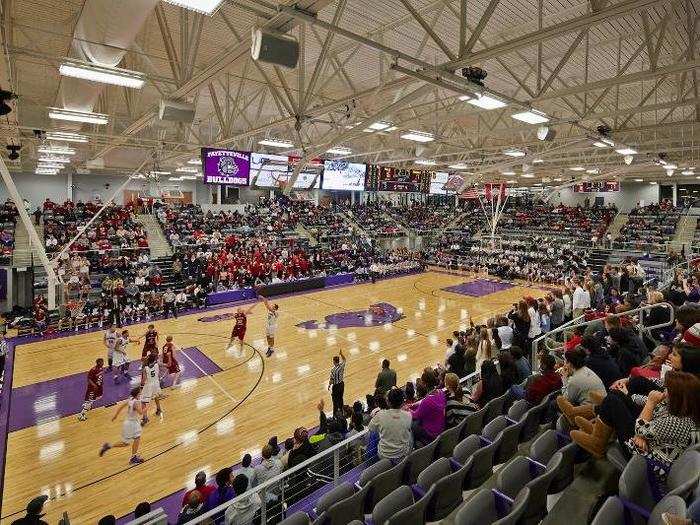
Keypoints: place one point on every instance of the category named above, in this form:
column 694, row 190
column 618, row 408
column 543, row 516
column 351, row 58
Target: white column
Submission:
column 69, row 186
column 675, row 194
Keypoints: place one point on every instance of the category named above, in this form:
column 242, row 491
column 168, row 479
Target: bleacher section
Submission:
column 649, row 228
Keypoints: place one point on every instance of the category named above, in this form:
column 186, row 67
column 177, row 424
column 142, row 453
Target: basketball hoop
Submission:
column 493, row 203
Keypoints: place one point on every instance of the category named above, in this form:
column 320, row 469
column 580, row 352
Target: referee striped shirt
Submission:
column 337, row 373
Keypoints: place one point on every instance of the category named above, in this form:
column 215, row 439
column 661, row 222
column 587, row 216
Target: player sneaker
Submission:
column 269, row 352
column 82, row 417
column 144, row 421
column 105, row 448
column 159, row 412
column 136, row 460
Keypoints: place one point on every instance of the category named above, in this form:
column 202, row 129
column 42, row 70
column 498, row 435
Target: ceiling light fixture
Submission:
column 45, row 171
column 593, row 171
column 626, row 151
column 628, row 159
column 687, row 172
column 508, row 173
column 276, row 143
column 418, row 136
column 56, row 150
column 425, row 162
column 187, row 169
column 514, row 152
column 65, row 137
column 154, row 172
column 86, row 117
column 339, row 150
column 537, row 161
column 485, row 102
column 102, row 74
column 669, row 172
column 54, row 159
column 638, row 180
column 578, row 168
column 531, row 116
column 50, row 165
column 670, row 166
column 195, row 162
column 208, row 7
column 546, row 133
column 458, row 166
column 380, row 126
column 653, row 183
column 528, row 175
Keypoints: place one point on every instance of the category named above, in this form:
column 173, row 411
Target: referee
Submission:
column 336, row 384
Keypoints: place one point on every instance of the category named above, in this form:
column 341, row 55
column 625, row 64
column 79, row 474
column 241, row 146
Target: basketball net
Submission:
column 493, row 202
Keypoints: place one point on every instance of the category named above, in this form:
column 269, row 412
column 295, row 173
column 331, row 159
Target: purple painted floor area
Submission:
column 358, row 319
column 479, row 287
column 49, row 400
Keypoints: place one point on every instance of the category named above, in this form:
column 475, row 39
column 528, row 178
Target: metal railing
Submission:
column 326, row 467
column 546, row 339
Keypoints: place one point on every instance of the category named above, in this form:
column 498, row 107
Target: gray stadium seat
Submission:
column 414, row 514
column 448, row 487
column 522, row 472
column 481, row 455
column 472, row 424
column 532, row 422
column 372, row 471
column 507, row 434
column 613, row 511
column 298, row 518
column 616, row 456
column 347, row 510
column 399, row 499
column 384, row 483
column 447, row 441
column 518, row 409
column 418, row 460
column 494, row 408
column 635, row 485
column 339, row 493
column 482, row 509
column 544, row 447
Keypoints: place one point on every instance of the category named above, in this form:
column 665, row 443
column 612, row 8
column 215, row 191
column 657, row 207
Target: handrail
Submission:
column 272, row 482
column 641, row 310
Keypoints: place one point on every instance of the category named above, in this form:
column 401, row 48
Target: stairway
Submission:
column 598, row 258
column 157, row 243
column 400, row 226
column 306, row 234
column 351, row 220
column 685, row 233
column 616, row 225
column 23, row 253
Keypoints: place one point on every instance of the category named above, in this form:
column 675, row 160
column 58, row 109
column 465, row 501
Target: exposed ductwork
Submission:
column 103, row 33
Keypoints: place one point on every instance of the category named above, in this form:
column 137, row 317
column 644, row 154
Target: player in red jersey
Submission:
column 240, row 325
column 94, row 390
column 151, row 342
column 171, row 364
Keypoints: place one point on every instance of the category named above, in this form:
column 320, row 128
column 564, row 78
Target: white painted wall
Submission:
column 630, row 193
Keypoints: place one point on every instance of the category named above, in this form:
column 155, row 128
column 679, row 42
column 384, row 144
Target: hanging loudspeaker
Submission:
column 274, row 49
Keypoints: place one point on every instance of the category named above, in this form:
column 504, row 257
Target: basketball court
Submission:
column 230, row 402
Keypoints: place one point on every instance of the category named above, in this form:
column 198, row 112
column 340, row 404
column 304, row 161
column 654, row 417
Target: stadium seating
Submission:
column 650, row 227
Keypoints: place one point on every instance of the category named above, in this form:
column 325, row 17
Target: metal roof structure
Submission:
column 629, row 65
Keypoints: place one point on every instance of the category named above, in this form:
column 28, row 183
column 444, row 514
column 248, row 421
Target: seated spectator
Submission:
column 579, row 381
column 429, row 415
column 200, row 486
column 244, row 509
column 394, row 428
column 575, row 339
column 601, row 362
column 35, row 511
column 540, row 385
column 142, row 509
column 489, row 387
column 302, row 448
column 247, row 468
column 456, row 408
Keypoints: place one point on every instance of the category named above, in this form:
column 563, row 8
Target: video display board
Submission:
column 407, row 180
column 343, row 175
column 599, row 186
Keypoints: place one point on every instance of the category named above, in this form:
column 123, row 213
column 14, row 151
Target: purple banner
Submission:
column 230, row 296
column 3, row 284
column 225, row 166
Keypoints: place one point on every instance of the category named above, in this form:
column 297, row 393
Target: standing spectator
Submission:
column 243, row 510
column 505, row 332
column 37, row 216
column 394, row 428
column 556, row 308
column 223, row 492
column 169, row 303
column 269, row 467
column 429, row 415
column 336, row 381
column 521, row 363
column 386, row 379
column 581, row 300
column 490, row 386
column 3, row 354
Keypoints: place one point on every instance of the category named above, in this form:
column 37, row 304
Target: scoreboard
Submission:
column 600, row 186
column 386, row 178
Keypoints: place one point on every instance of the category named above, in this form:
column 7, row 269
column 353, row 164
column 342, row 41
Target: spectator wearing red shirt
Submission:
column 543, row 384
column 200, row 485
column 575, row 339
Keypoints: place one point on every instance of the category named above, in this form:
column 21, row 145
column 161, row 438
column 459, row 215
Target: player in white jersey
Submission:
column 121, row 358
column 150, row 383
column 131, row 428
column 271, row 327
column 110, row 340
